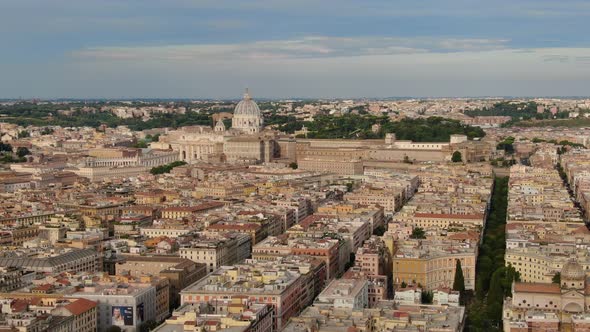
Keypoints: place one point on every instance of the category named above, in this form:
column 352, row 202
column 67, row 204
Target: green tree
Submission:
column 496, row 292
column 141, row 144
column 293, row 165
column 349, row 186
column 457, row 158
column 427, row 297
column 166, row 168
column 47, row 131
column 379, row 231
column 510, row 276
column 7, row 158
column 23, row 134
column 418, row 233
column 493, row 279
column 459, row 280
column 5, row 147
column 403, row 285
column 507, row 145
column 556, row 278
column 22, row 151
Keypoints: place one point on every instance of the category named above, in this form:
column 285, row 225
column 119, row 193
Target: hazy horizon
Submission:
column 132, row 49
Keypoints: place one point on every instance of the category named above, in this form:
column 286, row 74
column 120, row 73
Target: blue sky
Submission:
column 293, row 48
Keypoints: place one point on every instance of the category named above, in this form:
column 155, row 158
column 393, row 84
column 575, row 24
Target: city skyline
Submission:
column 283, row 49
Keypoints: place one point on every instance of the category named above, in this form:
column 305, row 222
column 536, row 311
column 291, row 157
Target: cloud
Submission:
column 584, row 60
column 556, row 58
column 306, row 47
column 467, row 73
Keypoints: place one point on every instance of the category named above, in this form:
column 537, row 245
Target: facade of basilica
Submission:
column 245, row 142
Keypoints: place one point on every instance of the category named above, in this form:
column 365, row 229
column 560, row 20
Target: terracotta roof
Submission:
column 307, row 221
column 399, row 314
column 44, row 287
column 80, row 306
column 19, row 305
column 513, row 226
column 200, row 207
column 225, row 226
column 532, row 287
column 35, row 301
column 473, row 235
column 449, row 216
column 581, row 230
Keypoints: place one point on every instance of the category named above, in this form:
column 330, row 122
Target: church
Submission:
column 247, row 116
column 563, row 306
column 245, row 142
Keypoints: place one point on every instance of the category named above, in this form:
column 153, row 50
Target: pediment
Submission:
column 573, row 294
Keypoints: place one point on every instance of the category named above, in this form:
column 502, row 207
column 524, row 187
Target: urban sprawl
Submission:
column 323, row 215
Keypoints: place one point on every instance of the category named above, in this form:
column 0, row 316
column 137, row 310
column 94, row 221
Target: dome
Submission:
column 572, row 271
column 247, row 106
column 247, row 116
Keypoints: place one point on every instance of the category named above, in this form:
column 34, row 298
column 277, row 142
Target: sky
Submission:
column 293, row 48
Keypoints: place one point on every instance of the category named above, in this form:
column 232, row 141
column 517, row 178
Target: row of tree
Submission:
column 7, row 155
column 493, row 278
column 359, row 126
column 26, row 114
column 166, row 168
column 524, row 110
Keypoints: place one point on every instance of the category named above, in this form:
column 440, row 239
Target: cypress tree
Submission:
column 459, row 282
column 496, row 293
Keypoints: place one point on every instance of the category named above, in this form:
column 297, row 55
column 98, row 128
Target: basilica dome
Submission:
column 247, row 116
column 572, row 271
column 247, row 106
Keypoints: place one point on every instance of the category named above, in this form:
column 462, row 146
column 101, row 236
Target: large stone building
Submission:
column 180, row 272
column 432, row 264
column 216, row 250
column 61, row 260
column 245, row 142
column 550, row 306
column 249, row 142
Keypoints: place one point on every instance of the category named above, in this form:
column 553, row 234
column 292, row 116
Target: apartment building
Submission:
column 327, row 249
column 432, row 263
column 217, row 249
column 266, row 282
column 31, row 315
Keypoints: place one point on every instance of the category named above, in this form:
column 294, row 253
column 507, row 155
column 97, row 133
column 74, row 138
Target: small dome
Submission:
column 247, row 106
column 572, row 271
